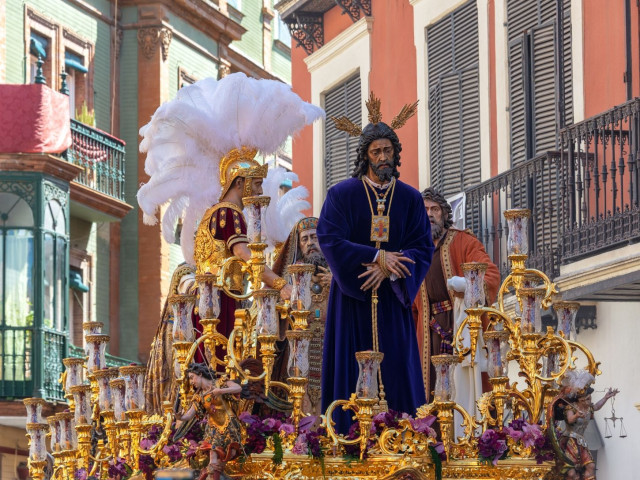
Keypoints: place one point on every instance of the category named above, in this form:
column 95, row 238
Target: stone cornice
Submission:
column 201, row 15
column 599, row 268
column 39, row 163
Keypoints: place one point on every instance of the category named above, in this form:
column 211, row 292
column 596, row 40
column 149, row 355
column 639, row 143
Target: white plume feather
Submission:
column 283, row 211
column 188, row 136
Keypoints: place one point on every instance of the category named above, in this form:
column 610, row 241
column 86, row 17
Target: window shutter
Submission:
column 540, row 76
column 454, row 106
column 339, row 147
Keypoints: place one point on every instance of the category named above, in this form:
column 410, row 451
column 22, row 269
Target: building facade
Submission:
column 74, row 248
column 521, row 105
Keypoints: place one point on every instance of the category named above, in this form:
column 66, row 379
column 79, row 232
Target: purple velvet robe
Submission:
column 344, row 231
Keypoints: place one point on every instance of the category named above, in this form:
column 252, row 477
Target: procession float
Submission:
column 223, row 413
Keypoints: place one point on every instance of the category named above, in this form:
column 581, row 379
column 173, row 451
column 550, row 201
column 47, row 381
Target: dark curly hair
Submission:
column 437, row 197
column 376, row 131
column 202, row 370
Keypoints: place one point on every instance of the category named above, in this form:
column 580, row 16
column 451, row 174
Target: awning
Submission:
column 38, row 45
column 75, row 281
column 71, row 60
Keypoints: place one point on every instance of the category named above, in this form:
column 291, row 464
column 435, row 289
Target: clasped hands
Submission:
column 387, row 264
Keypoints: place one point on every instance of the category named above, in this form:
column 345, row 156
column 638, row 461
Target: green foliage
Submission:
column 85, row 116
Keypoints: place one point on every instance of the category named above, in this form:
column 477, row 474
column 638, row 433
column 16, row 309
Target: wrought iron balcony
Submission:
column 102, row 157
column 584, row 199
column 532, row 184
column 600, row 182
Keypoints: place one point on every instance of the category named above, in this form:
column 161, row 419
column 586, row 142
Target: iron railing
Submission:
column 531, row 184
column 600, row 185
column 102, row 158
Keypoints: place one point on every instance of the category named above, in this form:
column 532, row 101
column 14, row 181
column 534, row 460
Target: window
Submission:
column 74, row 66
column 281, row 31
column 237, row 4
column 540, row 101
column 61, row 49
column 454, row 103
column 54, row 266
column 16, row 287
column 339, row 147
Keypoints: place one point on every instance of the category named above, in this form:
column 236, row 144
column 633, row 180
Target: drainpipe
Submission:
column 627, row 28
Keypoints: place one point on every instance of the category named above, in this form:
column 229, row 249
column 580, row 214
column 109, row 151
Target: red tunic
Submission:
column 456, row 248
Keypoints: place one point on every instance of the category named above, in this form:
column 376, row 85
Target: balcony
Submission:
column 100, row 185
column 600, row 187
column 584, row 201
column 532, row 184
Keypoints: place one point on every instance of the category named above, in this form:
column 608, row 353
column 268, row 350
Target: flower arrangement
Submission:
column 492, row 446
column 520, row 437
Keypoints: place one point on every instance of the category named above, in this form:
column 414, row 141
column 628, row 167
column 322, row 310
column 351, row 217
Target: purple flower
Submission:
column 306, row 423
column 147, row 443
column 117, row 468
column 173, row 452
column 423, row 425
column 492, row 445
column 286, row 429
column 300, row 447
column 530, row 433
column 81, row 474
column 247, row 418
column 147, row 466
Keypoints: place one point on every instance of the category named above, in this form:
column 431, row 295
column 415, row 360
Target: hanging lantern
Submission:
column 299, row 341
column 445, row 366
column 37, row 443
column 68, row 438
column 34, row 409
column 368, row 368
column 497, row 343
column 531, row 300
column 254, row 208
column 96, row 347
column 82, row 398
column 301, row 283
column 74, row 372
column 103, row 377
column 134, row 380
column 208, row 296
column 518, row 224
column 567, row 313
column 182, row 307
column 267, row 320
column 117, row 399
column 54, row 430
column 474, row 294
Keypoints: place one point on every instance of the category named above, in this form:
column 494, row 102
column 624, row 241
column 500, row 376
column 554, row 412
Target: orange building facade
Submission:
column 522, row 105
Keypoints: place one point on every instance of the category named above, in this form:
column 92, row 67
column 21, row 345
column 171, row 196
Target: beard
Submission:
column 315, row 258
column 383, row 172
column 437, row 229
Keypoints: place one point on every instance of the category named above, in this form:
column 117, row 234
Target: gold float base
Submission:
column 384, row 467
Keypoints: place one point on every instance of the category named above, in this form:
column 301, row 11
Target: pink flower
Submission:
column 301, row 447
column 423, row 425
column 530, row 433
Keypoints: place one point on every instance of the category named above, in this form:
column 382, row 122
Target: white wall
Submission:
column 615, row 343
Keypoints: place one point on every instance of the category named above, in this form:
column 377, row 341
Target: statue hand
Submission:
column 395, row 263
column 373, row 276
column 325, row 276
column 285, row 293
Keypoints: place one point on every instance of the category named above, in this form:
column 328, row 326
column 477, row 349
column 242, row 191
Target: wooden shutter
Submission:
column 339, row 147
column 540, row 103
column 539, row 55
column 454, row 106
